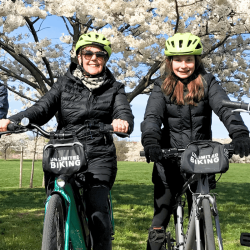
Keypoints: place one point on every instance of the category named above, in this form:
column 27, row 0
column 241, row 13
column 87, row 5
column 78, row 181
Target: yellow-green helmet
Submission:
column 95, row 39
column 183, row 44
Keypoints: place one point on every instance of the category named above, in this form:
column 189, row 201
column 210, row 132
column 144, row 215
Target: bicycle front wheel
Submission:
column 53, row 229
column 208, row 226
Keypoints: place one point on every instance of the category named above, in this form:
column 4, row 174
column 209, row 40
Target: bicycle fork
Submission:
column 73, row 228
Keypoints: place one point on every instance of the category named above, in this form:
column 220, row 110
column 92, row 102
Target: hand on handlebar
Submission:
column 3, row 124
column 120, row 125
column 153, row 153
column 241, row 146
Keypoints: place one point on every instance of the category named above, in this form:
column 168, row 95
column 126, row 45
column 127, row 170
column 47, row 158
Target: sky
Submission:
column 138, row 104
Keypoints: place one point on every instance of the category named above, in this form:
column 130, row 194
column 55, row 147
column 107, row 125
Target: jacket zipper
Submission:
column 191, row 123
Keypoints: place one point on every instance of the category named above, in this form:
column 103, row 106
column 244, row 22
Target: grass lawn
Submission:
column 21, row 209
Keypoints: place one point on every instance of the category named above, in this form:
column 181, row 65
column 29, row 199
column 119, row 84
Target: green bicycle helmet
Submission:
column 95, row 39
column 183, row 44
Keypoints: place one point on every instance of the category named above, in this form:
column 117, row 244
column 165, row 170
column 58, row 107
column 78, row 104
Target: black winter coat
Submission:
column 75, row 104
column 186, row 123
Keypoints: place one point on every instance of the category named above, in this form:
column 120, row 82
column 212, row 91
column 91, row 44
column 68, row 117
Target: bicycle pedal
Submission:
column 245, row 239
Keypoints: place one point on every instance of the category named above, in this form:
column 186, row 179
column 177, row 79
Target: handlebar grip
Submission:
column 142, row 153
column 110, row 128
column 12, row 127
column 235, row 105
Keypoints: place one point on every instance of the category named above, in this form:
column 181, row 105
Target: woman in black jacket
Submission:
column 183, row 104
column 88, row 91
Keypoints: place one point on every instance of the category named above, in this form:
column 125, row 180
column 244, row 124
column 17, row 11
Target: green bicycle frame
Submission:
column 73, row 227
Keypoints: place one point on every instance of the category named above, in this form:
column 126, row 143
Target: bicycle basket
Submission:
column 205, row 157
column 64, row 156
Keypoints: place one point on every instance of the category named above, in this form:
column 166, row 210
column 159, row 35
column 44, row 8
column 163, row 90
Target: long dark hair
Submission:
column 173, row 87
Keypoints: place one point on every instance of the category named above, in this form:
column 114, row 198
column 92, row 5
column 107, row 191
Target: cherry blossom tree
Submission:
column 137, row 29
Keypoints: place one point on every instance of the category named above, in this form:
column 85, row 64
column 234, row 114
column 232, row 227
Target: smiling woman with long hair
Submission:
column 88, row 93
column 179, row 111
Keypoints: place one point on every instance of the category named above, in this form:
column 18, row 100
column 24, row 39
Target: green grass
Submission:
column 21, row 210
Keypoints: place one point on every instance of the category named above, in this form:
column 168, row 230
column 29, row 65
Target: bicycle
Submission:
column 199, row 233
column 65, row 220
column 240, row 107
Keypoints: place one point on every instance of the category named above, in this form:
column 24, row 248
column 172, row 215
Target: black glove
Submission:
column 153, row 153
column 241, row 145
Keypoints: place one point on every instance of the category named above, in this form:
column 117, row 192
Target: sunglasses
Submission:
column 99, row 54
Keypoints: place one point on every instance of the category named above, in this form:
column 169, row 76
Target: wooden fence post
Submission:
column 33, row 163
column 43, row 183
column 21, row 168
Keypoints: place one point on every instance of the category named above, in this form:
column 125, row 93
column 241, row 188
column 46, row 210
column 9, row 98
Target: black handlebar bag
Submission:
column 205, row 157
column 64, row 156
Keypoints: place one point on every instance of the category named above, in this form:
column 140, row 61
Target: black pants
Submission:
column 98, row 216
column 167, row 181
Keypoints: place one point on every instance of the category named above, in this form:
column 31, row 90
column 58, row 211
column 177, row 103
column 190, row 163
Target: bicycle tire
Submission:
column 54, row 224
column 208, row 229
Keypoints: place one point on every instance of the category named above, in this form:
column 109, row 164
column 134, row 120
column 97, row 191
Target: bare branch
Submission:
column 84, row 29
column 12, row 74
column 215, row 46
column 18, row 93
column 67, row 26
column 32, row 29
column 178, row 17
column 145, row 82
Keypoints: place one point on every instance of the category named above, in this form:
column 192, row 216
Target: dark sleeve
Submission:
column 43, row 110
column 232, row 121
column 121, row 108
column 4, row 104
column 154, row 116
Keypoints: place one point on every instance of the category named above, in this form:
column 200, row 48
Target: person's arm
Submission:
column 151, row 126
column 122, row 113
column 4, row 104
column 232, row 121
column 153, row 117
column 43, row 110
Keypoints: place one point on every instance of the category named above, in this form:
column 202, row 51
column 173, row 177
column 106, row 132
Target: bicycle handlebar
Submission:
column 235, row 105
column 171, row 152
column 103, row 128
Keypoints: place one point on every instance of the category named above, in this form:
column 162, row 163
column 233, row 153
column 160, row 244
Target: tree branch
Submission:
column 10, row 73
column 145, row 82
column 178, row 17
column 67, row 26
column 215, row 46
column 21, row 95
column 32, row 29
column 29, row 65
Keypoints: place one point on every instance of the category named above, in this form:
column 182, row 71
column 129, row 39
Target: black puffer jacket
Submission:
column 183, row 124
column 75, row 103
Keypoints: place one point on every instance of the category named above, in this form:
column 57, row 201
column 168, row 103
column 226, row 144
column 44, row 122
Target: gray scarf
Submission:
column 90, row 83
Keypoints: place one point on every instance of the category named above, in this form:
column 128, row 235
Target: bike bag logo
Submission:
column 204, row 159
column 64, row 157
column 65, row 162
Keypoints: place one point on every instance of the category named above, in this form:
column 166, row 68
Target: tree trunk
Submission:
column 33, row 163
column 21, row 168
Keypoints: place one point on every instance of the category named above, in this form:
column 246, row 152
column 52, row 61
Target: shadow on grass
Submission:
column 21, row 214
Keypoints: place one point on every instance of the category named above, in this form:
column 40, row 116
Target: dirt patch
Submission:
column 37, row 213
